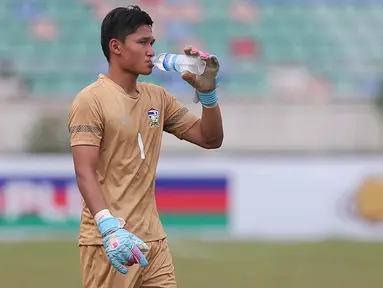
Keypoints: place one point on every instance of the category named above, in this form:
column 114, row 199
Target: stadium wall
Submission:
column 249, row 127
column 272, row 198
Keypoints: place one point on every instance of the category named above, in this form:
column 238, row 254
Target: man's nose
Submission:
column 151, row 52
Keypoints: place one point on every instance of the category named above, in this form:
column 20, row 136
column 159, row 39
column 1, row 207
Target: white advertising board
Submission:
column 309, row 199
column 281, row 198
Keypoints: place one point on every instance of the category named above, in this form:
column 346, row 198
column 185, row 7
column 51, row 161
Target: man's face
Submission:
column 137, row 51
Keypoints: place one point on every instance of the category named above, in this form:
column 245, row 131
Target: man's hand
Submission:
column 122, row 247
column 206, row 83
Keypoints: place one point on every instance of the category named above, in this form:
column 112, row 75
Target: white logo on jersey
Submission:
column 124, row 120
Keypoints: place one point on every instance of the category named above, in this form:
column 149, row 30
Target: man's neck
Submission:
column 125, row 80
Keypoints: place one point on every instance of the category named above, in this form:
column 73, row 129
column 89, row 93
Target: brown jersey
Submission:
column 128, row 131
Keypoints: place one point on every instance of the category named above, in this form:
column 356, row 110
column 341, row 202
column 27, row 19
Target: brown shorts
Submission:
column 97, row 272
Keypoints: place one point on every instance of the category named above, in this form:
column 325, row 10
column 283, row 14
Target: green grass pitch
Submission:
column 212, row 264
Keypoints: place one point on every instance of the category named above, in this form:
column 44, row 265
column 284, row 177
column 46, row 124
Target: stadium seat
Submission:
column 335, row 40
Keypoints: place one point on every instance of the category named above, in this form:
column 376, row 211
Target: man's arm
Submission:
column 86, row 127
column 127, row 249
column 85, row 160
column 207, row 132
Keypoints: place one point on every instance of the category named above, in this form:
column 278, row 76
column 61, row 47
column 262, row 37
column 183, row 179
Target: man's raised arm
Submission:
column 206, row 132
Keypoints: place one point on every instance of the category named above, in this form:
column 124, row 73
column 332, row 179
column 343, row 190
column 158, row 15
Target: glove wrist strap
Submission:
column 101, row 215
column 208, row 99
column 108, row 225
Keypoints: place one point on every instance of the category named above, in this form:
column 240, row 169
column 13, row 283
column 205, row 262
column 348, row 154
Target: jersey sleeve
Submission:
column 85, row 120
column 178, row 118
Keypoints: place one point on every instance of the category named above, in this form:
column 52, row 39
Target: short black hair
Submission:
column 121, row 22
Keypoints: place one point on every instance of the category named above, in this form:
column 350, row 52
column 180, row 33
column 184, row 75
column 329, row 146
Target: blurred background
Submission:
column 293, row 199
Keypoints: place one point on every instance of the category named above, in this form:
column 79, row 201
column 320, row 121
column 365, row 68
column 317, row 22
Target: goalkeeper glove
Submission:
column 205, row 85
column 122, row 247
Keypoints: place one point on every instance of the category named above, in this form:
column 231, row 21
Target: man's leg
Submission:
column 160, row 271
column 97, row 272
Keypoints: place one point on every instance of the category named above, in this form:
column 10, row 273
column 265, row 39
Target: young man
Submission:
column 116, row 127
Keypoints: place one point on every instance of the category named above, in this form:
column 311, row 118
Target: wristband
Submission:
column 102, row 214
column 209, row 99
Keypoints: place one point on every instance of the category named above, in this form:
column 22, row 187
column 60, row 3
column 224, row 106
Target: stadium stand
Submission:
column 54, row 44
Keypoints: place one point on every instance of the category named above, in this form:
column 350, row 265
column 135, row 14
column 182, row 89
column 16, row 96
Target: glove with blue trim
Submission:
column 122, row 247
column 205, row 85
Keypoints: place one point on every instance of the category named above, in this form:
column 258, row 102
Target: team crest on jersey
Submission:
column 154, row 118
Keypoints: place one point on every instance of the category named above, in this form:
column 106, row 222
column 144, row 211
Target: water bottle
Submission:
column 179, row 63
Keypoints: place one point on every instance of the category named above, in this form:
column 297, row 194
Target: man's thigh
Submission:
column 97, row 272
column 160, row 271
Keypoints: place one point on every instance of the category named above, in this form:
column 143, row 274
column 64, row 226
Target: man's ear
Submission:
column 114, row 46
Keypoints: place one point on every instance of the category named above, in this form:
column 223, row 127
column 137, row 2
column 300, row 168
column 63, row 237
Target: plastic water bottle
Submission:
column 179, row 63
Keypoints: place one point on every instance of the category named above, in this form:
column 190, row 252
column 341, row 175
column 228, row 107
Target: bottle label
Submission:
column 169, row 62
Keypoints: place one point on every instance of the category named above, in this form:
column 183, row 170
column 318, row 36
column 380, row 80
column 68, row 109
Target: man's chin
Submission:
column 147, row 71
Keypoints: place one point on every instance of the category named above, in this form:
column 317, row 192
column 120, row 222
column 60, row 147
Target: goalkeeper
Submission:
column 116, row 126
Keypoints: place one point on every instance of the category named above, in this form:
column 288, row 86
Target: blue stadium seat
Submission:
column 336, row 40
